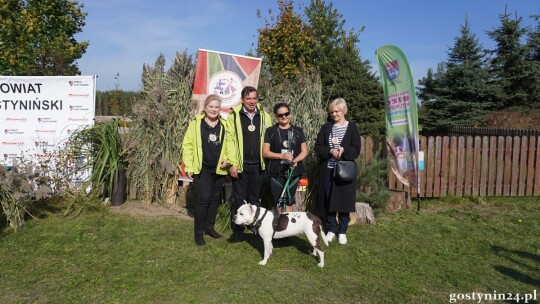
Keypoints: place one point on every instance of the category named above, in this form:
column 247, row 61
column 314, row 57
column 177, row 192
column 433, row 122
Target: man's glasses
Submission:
column 283, row 114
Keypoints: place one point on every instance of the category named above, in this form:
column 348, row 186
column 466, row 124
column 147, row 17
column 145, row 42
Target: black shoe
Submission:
column 199, row 239
column 213, row 234
column 238, row 237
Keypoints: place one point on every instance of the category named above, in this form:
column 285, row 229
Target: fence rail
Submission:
column 473, row 165
column 471, row 131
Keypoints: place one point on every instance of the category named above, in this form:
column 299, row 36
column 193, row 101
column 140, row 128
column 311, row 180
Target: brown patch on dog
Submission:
column 316, row 227
column 283, row 222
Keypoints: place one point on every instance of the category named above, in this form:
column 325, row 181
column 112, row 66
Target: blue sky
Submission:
column 125, row 34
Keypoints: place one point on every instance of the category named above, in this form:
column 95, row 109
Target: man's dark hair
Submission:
column 247, row 90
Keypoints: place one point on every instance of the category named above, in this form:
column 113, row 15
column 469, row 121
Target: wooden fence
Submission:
column 473, row 165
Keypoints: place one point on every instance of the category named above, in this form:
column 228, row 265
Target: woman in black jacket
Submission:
column 285, row 147
column 338, row 139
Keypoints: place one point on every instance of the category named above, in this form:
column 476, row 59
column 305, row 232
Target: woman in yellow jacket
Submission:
column 204, row 161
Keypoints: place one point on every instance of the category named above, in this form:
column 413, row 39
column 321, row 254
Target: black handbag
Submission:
column 345, row 171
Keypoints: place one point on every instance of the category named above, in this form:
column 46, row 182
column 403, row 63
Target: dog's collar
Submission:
column 258, row 222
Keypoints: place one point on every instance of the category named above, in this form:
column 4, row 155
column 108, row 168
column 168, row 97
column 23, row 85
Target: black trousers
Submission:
column 208, row 187
column 246, row 187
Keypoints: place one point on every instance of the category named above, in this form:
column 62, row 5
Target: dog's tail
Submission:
column 323, row 236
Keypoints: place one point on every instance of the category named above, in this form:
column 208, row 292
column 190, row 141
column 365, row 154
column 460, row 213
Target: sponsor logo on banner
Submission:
column 74, row 95
column 43, row 131
column 11, row 156
column 13, row 143
column 226, row 85
column 78, row 108
column 46, row 120
column 13, row 131
column 16, row 119
column 41, row 155
column 78, row 83
column 392, row 69
column 78, row 119
column 43, row 144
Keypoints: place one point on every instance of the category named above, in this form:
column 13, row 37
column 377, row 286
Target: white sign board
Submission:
column 38, row 113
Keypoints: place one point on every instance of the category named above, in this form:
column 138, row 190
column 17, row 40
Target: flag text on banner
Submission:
column 402, row 136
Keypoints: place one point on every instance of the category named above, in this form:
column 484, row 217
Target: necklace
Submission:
column 211, row 124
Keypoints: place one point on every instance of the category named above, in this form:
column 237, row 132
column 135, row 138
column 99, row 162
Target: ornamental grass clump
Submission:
column 100, row 156
column 21, row 186
column 160, row 119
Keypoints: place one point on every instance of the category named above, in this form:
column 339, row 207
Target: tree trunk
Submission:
column 363, row 215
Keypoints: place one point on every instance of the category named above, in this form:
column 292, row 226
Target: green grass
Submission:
column 454, row 246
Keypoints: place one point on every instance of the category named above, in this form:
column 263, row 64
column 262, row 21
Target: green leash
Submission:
column 286, row 188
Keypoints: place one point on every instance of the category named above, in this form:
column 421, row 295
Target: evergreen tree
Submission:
column 343, row 72
column 460, row 94
column 533, row 43
column 512, row 72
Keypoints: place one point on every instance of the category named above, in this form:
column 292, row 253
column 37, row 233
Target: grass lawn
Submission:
column 452, row 246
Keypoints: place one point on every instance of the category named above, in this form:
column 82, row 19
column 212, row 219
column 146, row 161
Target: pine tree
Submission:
column 512, row 72
column 343, row 72
column 460, row 93
column 533, row 43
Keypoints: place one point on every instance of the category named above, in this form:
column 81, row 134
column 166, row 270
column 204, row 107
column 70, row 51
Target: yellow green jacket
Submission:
column 192, row 154
column 234, row 141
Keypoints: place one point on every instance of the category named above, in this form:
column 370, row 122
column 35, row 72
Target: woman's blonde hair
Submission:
column 340, row 104
column 211, row 98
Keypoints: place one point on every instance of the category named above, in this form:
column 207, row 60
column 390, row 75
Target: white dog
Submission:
column 287, row 224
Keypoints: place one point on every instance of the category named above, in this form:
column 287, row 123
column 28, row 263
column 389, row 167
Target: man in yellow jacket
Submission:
column 244, row 139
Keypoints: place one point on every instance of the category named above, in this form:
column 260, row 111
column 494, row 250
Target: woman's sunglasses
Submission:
column 283, row 114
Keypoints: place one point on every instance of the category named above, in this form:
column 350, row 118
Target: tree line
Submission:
column 474, row 82
column 37, row 38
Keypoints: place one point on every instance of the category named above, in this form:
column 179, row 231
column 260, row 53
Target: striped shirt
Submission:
column 334, row 140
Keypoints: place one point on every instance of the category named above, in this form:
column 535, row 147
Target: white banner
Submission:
column 38, row 113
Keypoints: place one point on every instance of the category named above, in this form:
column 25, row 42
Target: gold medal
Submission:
column 251, row 128
column 335, row 140
column 212, row 137
column 286, row 143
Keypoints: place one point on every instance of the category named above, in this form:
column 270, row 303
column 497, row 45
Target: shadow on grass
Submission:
column 516, row 274
column 301, row 244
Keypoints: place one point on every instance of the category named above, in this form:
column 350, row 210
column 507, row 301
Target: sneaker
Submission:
column 330, row 236
column 342, row 239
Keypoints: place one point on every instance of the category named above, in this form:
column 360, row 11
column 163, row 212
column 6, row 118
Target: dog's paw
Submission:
column 320, row 265
column 262, row 263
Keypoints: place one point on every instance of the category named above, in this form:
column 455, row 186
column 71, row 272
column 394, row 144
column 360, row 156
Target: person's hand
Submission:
column 223, row 164
column 189, row 174
column 287, row 156
column 340, row 152
column 293, row 164
column 233, row 170
column 334, row 153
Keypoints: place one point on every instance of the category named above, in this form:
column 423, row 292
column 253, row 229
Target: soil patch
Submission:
column 137, row 208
